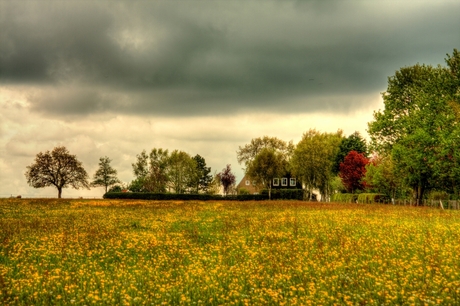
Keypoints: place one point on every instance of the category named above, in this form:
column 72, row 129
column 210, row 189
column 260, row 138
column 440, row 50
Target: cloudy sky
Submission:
column 113, row 78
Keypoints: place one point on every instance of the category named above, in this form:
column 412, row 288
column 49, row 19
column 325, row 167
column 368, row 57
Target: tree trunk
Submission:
column 269, row 192
column 59, row 193
column 418, row 194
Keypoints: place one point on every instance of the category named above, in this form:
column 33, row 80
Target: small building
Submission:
column 246, row 185
column 286, row 182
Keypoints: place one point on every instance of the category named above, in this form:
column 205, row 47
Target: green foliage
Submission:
column 313, row 159
column 182, row 172
column 243, row 191
column 438, row 195
column 158, row 177
column 247, row 153
column 419, row 126
column 369, row 198
column 337, row 185
column 151, row 171
column 204, row 178
column 160, row 171
column 381, row 176
column 267, row 165
column 137, row 185
column 344, row 197
column 116, row 188
column 105, row 176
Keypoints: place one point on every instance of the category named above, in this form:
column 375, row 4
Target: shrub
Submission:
column 372, row 198
column 243, row 191
column 344, row 197
column 116, row 188
column 438, row 195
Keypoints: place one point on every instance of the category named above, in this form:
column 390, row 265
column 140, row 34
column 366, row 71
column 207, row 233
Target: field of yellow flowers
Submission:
column 107, row 252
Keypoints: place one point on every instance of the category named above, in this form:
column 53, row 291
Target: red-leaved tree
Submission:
column 227, row 179
column 352, row 171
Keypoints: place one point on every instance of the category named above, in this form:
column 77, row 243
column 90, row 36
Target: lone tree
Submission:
column 227, row 178
column 105, row 176
column 57, row 168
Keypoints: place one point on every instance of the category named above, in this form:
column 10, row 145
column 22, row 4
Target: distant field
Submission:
column 281, row 252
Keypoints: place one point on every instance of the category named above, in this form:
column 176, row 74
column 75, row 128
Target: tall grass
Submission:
column 107, row 252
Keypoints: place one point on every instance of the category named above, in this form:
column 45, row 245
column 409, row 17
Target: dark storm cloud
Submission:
column 194, row 57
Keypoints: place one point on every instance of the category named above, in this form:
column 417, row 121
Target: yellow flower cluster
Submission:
column 105, row 252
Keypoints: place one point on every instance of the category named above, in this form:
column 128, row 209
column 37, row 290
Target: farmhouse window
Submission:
column 248, row 183
column 292, row 182
column 276, row 182
column 284, row 181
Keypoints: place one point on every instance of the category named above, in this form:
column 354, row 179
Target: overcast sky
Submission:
column 113, row 78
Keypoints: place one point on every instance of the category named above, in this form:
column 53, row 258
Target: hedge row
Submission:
column 277, row 194
column 359, row 198
column 285, row 194
column 182, row 196
column 344, row 197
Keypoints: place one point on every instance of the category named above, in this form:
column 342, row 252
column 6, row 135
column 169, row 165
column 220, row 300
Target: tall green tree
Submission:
column 312, row 161
column 182, row 171
column 247, row 153
column 267, row 165
column 419, row 124
column 381, row 176
column 105, row 176
column 57, row 168
column 204, row 178
column 157, row 178
column 151, row 171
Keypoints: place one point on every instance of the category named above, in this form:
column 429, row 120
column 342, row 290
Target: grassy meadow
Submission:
column 106, row 252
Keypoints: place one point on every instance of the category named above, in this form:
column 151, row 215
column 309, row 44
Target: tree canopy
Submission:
column 151, row 171
column 247, row 153
column 57, row 168
column 381, row 176
column 227, row 178
column 204, row 178
column 182, row 172
column 354, row 142
column 352, row 171
column 419, row 125
column 105, row 176
column 267, row 165
column 161, row 171
column 313, row 159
